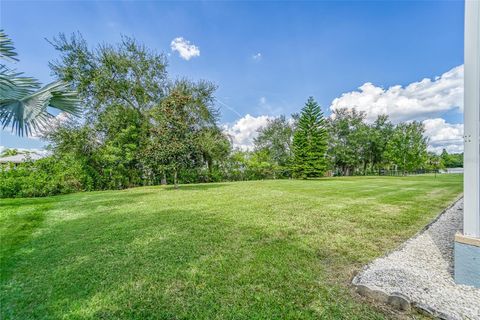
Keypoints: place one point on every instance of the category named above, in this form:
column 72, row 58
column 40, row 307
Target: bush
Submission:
column 44, row 177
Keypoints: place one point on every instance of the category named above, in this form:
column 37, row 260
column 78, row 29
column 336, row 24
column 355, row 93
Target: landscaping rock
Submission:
column 420, row 273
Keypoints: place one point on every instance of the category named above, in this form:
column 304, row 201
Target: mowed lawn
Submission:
column 283, row 249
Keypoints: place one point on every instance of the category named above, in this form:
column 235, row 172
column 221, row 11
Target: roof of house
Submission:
column 22, row 157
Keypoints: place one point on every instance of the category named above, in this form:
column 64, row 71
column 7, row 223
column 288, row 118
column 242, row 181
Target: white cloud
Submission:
column 184, row 48
column 257, row 56
column 419, row 100
column 244, row 130
column 443, row 135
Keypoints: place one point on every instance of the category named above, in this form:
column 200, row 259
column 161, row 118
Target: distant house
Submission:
column 452, row 170
column 19, row 158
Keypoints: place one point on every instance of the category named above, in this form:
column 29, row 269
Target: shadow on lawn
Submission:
column 17, row 202
column 192, row 187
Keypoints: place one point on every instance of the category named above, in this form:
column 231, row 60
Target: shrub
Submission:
column 44, row 177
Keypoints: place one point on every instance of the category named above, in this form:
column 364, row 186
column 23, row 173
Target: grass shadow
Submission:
column 197, row 187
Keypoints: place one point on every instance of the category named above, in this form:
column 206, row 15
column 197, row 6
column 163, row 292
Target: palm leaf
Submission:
column 22, row 106
column 7, row 50
column 13, row 86
column 30, row 114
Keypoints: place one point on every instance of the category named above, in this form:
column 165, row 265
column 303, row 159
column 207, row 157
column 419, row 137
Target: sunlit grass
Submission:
column 245, row 250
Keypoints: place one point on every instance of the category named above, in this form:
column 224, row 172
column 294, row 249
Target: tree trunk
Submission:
column 175, row 180
column 163, row 182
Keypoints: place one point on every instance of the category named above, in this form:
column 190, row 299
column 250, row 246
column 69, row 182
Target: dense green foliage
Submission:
column 274, row 145
column 47, row 176
column 310, row 142
column 141, row 127
column 407, row 146
column 454, row 160
column 349, row 141
column 243, row 250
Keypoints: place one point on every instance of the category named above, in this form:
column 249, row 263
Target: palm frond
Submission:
column 30, row 114
column 14, row 86
column 63, row 98
column 7, row 50
column 23, row 106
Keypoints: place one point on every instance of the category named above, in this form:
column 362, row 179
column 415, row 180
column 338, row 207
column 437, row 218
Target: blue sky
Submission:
column 324, row 49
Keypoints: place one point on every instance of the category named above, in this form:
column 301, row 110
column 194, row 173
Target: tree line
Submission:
column 343, row 144
column 141, row 127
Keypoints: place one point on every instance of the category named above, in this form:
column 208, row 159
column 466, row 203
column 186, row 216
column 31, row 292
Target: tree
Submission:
column 118, row 85
column 407, row 147
column 454, row 160
column 213, row 148
column 178, row 121
column 275, row 139
column 310, row 142
column 378, row 136
column 434, row 162
column 23, row 102
column 349, row 148
column 123, row 132
column 126, row 74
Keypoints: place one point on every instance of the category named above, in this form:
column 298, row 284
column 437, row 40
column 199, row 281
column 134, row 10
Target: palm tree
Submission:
column 23, row 103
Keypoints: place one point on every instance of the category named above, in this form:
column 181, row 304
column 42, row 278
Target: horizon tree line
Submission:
column 140, row 127
column 345, row 144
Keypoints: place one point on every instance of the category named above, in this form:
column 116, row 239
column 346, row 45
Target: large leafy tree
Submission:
column 127, row 74
column 310, row 142
column 407, row 147
column 275, row 139
column 23, row 102
column 379, row 133
column 118, row 85
column 349, row 140
column 177, row 124
column 213, row 148
column 140, row 127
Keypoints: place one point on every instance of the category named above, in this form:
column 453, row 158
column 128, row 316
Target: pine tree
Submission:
column 310, row 142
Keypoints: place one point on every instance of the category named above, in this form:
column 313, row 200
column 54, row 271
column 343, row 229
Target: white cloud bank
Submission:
column 443, row 135
column 185, row 49
column 426, row 100
column 419, row 100
column 244, row 130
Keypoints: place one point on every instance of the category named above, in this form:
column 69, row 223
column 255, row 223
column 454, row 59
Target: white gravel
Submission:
column 422, row 270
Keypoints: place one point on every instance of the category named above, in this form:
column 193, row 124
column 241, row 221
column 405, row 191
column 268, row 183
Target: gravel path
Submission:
column 420, row 273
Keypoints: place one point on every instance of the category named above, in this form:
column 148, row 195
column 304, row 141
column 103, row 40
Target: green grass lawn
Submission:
column 243, row 250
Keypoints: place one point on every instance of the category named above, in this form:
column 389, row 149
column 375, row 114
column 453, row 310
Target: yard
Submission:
column 241, row 250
